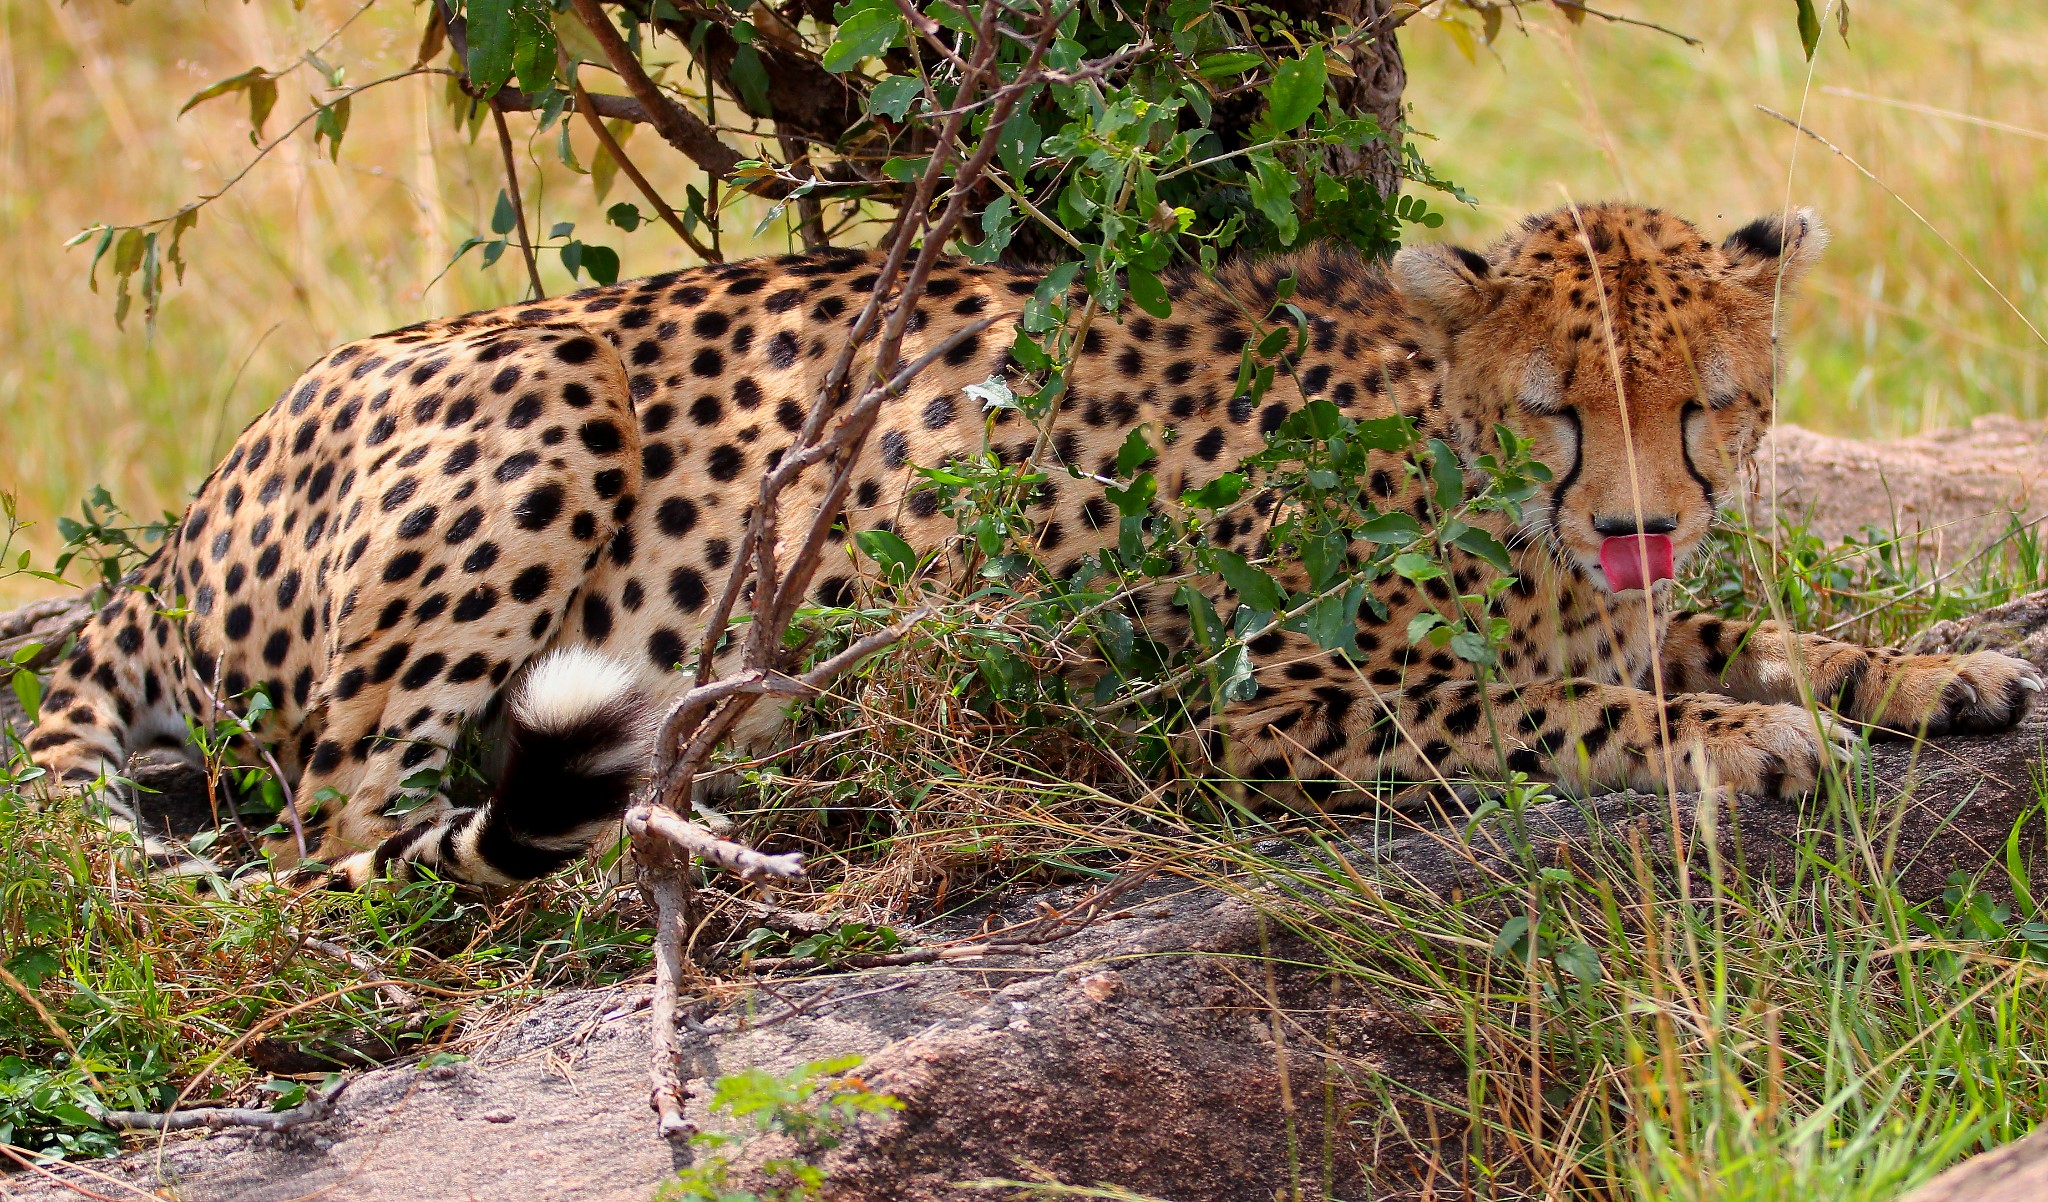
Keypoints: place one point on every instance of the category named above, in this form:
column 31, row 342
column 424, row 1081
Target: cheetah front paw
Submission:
column 1778, row 751
column 1956, row 694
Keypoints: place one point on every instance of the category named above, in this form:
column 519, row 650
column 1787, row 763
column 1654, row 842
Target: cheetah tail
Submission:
column 580, row 741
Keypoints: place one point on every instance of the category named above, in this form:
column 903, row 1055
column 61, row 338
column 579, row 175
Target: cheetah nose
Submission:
column 1617, row 527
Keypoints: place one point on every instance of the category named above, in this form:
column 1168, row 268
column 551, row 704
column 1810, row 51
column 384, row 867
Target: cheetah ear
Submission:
column 1451, row 286
column 1777, row 247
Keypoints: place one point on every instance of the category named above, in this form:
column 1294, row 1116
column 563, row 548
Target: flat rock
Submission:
column 1954, row 488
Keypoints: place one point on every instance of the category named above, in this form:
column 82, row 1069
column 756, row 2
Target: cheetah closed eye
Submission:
column 521, row 517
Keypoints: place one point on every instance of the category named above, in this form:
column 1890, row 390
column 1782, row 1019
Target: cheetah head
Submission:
column 1636, row 355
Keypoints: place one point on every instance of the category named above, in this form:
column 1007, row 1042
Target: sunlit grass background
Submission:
column 1897, row 333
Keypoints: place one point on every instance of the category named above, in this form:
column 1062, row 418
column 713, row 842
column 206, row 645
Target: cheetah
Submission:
column 523, row 516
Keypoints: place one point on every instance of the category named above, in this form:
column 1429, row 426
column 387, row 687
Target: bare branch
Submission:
column 677, row 126
column 708, row 712
column 665, row 880
column 632, row 170
column 518, row 203
column 312, row 1110
column 603, row 104
column 737, row 858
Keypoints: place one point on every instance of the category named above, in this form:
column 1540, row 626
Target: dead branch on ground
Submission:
column 312, row 1110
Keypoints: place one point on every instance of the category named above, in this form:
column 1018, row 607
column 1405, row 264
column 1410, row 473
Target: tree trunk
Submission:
column 1374, row 87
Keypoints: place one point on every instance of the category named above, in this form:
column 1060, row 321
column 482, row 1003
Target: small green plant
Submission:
column 826, row 947
column 106, row 539
column 814, row 1106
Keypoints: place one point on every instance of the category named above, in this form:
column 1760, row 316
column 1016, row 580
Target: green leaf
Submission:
column 1203, row 624
column 952, row 16
column 492, row 42
column 1485, row 546
column 1274, row 191
column 28, row 690
column 1333, row 621
column 1414, row 565
column 1394, row 433
column 258, row 83
column 1297, row 89
column 905, row 170
column 1148, row 292
column 1017, row 143
column 626, row 215
column 504, row 217
column 896, row 556
column 1324, row 558
column 602, row 262
column 533, row 46
column 1133, row 501
column 1228, row 63
column 34, row 965
column 1471, row 646
column 1809, row 27
column 1421, row 624
column 998, row 225
column 1317, row 419
column 233, row 83
column 1579, row 960
column 1394, row 528
column 751, row 78
column 1449, row 477
column 865, row 32
column 1028, row 354
column 1254, row 587
column 1234, row 671
column 1223, row 490
column 1135, row 453
column 331, row 124
column 893, row 95
column 1512, row 942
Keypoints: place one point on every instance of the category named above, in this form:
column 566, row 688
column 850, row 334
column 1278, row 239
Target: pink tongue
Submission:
column 1623, row 559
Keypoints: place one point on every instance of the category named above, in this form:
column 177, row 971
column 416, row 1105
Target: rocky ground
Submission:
column 1954, row 487
column 1139, row 1051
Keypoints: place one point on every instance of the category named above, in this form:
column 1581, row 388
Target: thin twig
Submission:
column 397, row 995
column 737, row 858
column 263, row 152
column 678, row 126
column 33, row 1164
column 518, row 205
column 632, row 171
column 916, row 955
column 312, row 1110
column 810, row 218
column 1618, row 19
